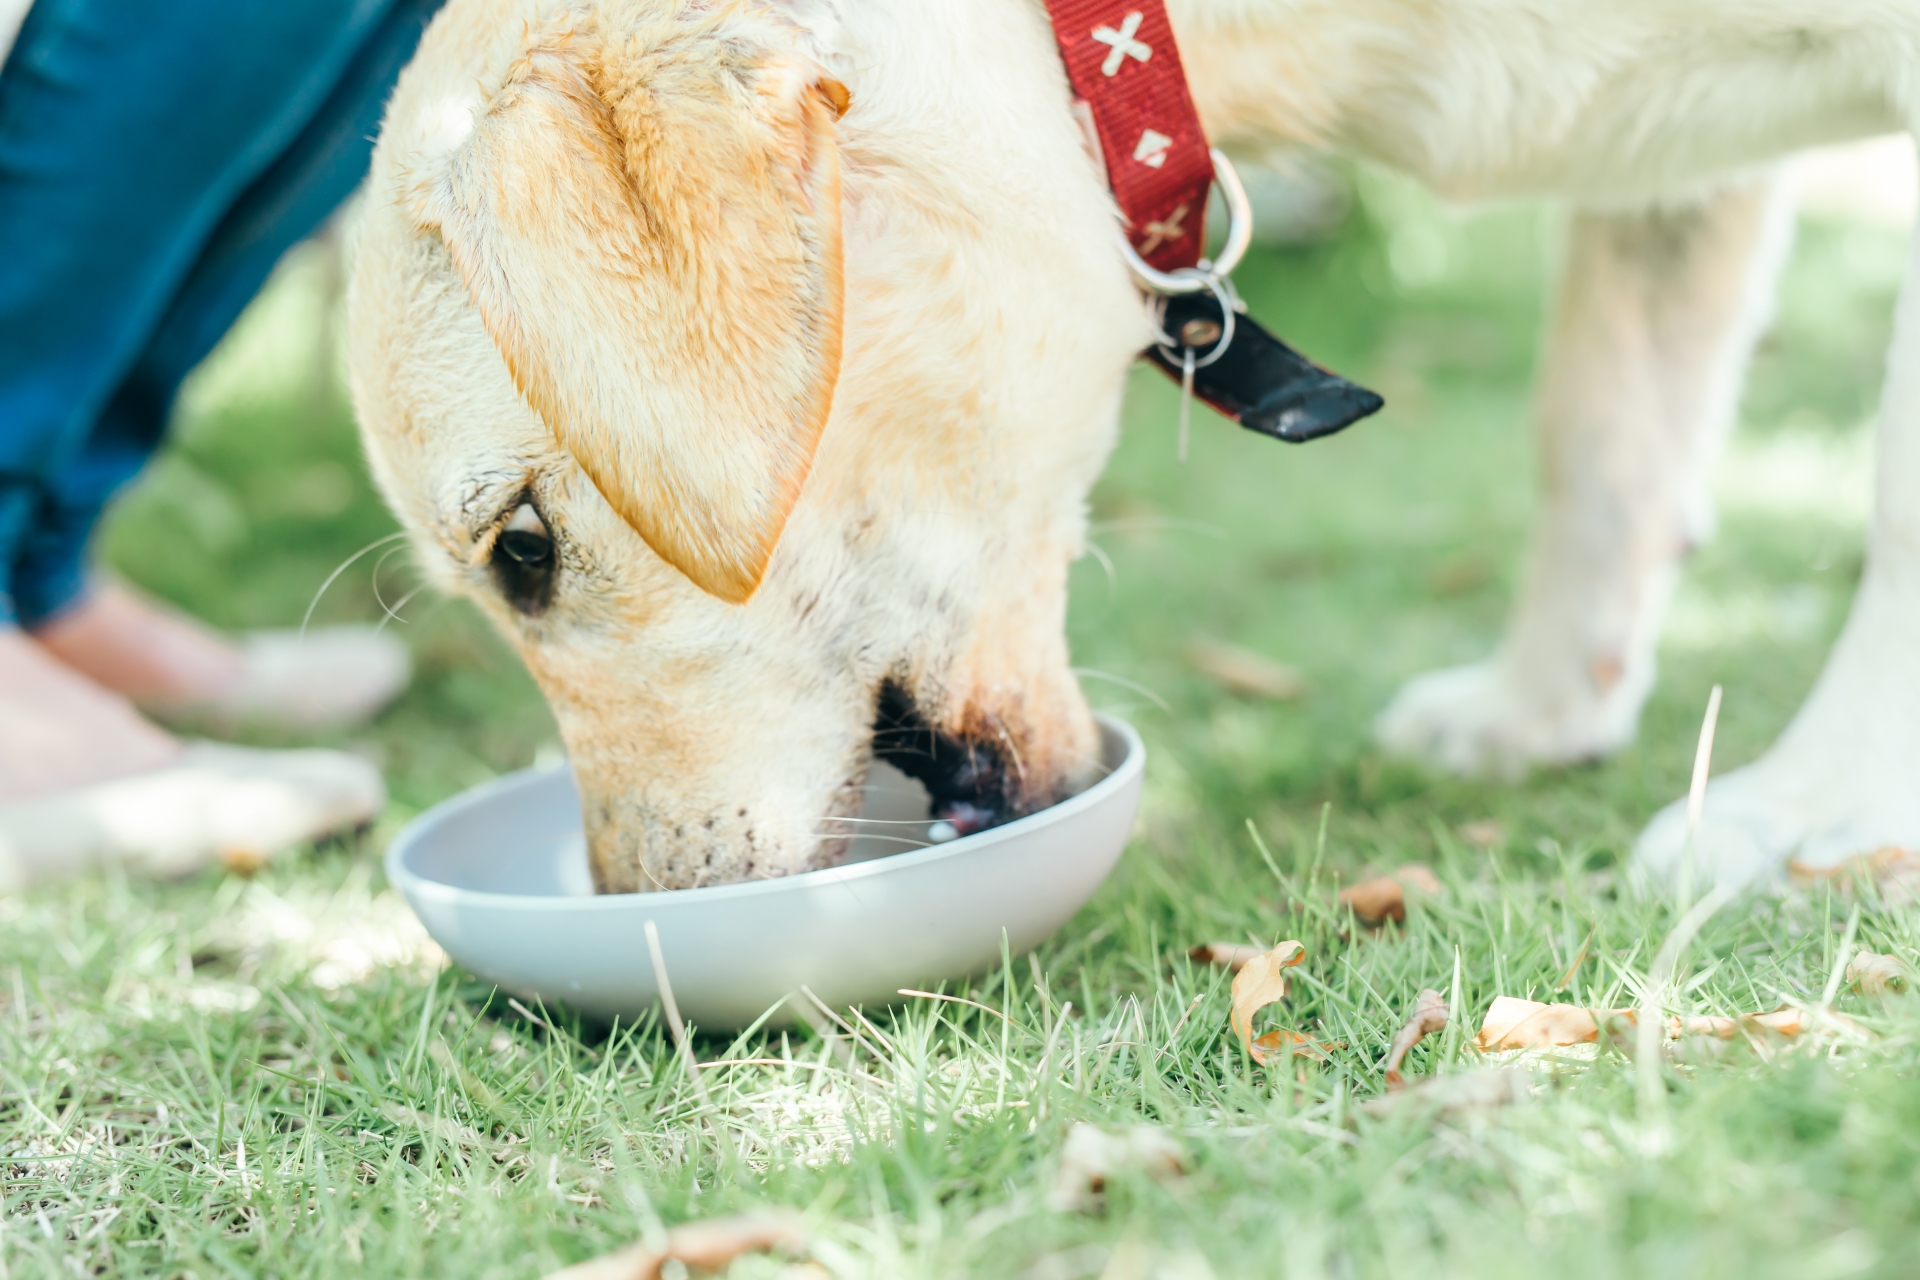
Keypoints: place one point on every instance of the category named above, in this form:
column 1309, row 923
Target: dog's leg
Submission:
column 1657, row 314
column 1844, row 779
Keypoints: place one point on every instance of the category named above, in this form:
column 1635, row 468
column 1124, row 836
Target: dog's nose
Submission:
column 965, row 778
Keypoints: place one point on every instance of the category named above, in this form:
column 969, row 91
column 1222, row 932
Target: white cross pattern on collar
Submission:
column 1124, row 45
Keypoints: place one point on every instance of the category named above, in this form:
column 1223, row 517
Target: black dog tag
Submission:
column 1259, row 381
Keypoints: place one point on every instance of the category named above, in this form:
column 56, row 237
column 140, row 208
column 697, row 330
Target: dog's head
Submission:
column 762, row 423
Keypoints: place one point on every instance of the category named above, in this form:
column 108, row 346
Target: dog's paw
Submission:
column 1780, row 809
column 1843, row 780
column 1478, row 719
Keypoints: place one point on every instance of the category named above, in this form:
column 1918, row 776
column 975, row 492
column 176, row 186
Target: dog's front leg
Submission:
column 1844, row 778
column 1657, row 313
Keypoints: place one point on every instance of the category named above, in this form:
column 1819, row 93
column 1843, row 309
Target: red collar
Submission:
column 1125, row 68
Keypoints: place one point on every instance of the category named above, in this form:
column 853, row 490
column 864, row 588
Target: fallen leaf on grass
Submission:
column 1385, row 897
column 1870, row 865
column 1429, row 1015
column 1243, row 671
column 1785, row 1021
column 1873, row 974
column 1478, row 1090
column 1484, row 833
column 243, row 862
column 1092, row 1156
column 1528, row 1024
column 1279, row 1044
column 1460, row 575
column 1260, row 982
column 1788, row 1021
column 705, row 1246
column 1229, row 955
column 1893, row 870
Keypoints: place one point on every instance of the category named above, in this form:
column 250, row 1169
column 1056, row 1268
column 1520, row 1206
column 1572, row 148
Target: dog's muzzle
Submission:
column 965, row 777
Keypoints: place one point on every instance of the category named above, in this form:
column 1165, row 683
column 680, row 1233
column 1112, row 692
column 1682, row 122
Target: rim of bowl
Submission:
column 410, row 882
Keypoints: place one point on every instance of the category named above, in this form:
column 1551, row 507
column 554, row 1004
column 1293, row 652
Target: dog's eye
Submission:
column 524, row 561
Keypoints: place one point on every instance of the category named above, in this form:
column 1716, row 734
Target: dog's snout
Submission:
column 966, row 777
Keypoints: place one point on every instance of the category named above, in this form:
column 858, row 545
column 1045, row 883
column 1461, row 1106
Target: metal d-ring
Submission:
column 1175, row 348
column 1239, row 235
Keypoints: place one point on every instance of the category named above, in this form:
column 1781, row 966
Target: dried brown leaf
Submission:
column 1429, row 1015
column 711, row 1245
column 243, row 862
column 1484, row 833
column 1528, row 1024
column 1243, row 671
column 1873, row 974
column 1504, row 1015
column 1385, row 897
column 1891, row 869
column 1793, row 1020
column 1460, row 575
column 1788, row 1021
column 1092, row 1155
column 1229, row 955
column 1870, row 865
column 1260, row 982
column 1278, row 1044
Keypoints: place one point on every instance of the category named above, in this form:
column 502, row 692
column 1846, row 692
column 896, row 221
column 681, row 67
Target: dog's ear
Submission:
column 649, row 226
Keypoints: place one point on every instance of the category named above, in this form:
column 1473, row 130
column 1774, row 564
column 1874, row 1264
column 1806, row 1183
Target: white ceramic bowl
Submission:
column 499, row 877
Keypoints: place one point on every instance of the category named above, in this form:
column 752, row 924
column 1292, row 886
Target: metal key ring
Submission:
column 1186, row 280
column 1173, row 348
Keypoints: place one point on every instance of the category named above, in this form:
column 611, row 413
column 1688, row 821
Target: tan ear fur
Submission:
column 649, row 224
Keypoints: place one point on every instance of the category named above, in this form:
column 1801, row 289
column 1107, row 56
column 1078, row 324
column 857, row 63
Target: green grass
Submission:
column 394, row 1121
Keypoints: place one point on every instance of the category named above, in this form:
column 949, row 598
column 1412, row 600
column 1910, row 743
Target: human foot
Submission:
column 58, row 730
column 178, row 668
column 134, row 647
column 237, row 804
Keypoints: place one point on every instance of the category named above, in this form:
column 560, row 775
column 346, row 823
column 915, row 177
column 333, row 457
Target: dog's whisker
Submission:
column 393, row 614
column 911, row 751
column 1019, row 765
column 1099, row 553
column 909, row 842
column 378, row 565
column 1091, row 673
column 342, row 568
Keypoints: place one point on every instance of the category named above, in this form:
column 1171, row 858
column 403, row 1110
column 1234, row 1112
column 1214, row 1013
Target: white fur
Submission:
column 988, row 327
column 1657, row 314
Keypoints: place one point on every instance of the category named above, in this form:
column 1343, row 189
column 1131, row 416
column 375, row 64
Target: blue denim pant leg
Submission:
column 143, row 244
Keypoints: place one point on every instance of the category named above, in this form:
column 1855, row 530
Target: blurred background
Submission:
column 1349, row 565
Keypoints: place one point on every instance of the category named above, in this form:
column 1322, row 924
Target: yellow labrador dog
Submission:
column 750, row 362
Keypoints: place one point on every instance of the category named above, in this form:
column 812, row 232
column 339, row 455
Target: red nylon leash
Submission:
column 1123, row 64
